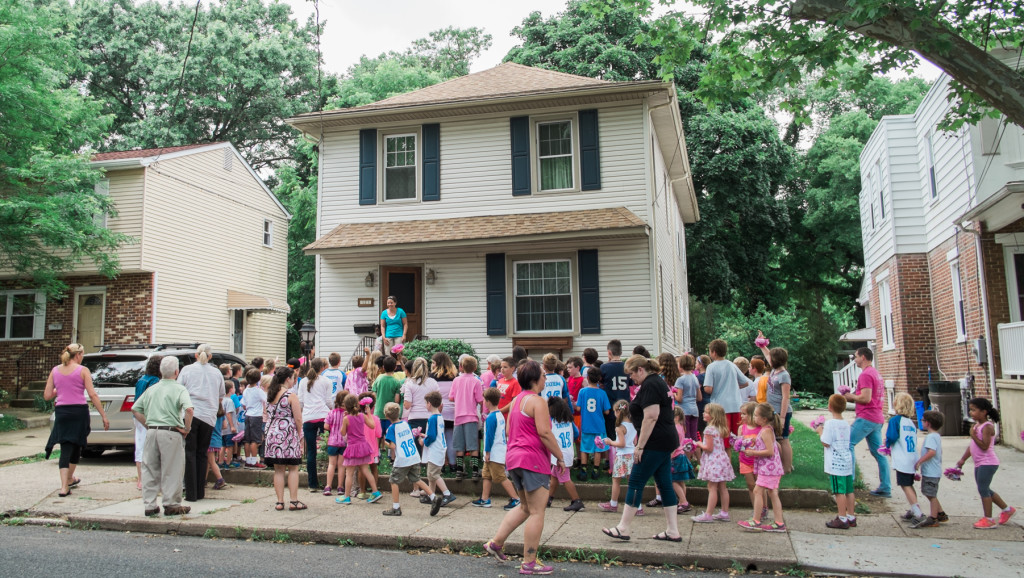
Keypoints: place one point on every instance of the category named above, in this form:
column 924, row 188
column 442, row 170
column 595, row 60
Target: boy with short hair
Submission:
column 594, row 408
column 401, row 441
column 495, row 447
column 466, row 394
column 835, row 436
column 387, row 389
column 507, row 384
column 334, row 373
column 228, row 429
column 434, row 451
column 930, row 464
column 255, row 401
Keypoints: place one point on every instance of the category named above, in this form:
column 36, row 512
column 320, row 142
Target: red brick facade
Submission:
column 128, row 319
column 906, row 363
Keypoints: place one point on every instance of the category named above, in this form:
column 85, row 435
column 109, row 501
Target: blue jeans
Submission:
column 658, row 465
column 311, row 432
column 863, row 428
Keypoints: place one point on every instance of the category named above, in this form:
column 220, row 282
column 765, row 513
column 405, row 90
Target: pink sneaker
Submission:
column 640, row 512
column 608, row 507
column 495, row 550
column 703, row 518
column 985, row 524
column 1005, row 516
column 535, row 568
column 721, row 516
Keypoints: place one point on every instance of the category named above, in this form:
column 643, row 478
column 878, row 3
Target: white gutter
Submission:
column 986, row 319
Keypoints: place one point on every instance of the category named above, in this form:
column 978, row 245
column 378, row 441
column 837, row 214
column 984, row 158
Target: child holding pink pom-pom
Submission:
column 901, row 439
column 780, row 387
column 336, row 443
column 768, row 469
column 835, row 436
column 625, row 444
column 981, row 450
column 747, row 432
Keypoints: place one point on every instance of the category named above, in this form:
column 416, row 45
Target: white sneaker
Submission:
column 416, row 493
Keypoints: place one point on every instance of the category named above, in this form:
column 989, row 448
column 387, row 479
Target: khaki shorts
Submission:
column 433, row 472
column 495, row 472
column 399, row 475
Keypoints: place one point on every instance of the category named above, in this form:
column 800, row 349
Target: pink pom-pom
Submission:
column 791, row 430
column 818, row 422
column 397, row 349
column 953, row 474
column 736, row 442
column 844, row 389
column 687, row 445
column 366, row 401
column 599, row 443
column 761, row 342
column 885, row 451
column 416, row 432
column 917, row 477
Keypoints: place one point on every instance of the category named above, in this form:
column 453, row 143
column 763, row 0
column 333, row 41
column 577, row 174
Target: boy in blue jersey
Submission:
column 594, row 407
column 554, row 384
column 334, row 373
column 401, row 440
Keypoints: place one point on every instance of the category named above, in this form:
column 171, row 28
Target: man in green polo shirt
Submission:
column 160, row 410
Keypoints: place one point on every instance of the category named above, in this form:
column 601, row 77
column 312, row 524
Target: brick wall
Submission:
column 128, row 319
column 909, row 289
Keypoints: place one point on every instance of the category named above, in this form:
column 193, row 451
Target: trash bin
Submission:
column 945, row 398
column 919, row 408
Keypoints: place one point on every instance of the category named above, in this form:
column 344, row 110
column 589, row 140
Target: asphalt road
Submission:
column 30, row 551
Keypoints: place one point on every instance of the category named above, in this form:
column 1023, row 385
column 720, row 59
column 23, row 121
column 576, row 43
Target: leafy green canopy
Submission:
column 51, row 216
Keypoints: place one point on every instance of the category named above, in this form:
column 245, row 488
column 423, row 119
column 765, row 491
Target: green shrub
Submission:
column 426, row 348
column 5, row 397
column 10, row 423
column 40, row 404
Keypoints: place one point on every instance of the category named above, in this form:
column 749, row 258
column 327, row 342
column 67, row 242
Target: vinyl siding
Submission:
column 476, row 173
column 204, row 236
column 671, row 265
column 877, row 235
column 455, row 306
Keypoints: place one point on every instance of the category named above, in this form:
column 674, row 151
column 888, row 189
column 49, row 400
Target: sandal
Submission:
column 297, row 505
column 279, row 506
column 75, row 482
column 65, row 494
column 666, row 538
column 614, row 532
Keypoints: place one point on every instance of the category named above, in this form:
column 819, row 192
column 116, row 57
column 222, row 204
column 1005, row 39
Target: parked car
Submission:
column 115, row 369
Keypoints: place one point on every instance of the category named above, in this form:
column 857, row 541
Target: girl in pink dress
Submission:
column 767, row 468
column 357, row 426
column 715, row 467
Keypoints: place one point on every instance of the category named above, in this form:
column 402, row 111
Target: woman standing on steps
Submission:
column 393, row 323
column 69, row 383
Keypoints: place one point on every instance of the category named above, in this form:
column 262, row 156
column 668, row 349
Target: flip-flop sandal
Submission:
column 64, row 495
column 666, row 538
column 297, row 506
column 279, row 506
column 75, row 482
column 614, row 532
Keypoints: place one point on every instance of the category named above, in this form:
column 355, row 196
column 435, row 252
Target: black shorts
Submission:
column 253, row 430
column 903, row 479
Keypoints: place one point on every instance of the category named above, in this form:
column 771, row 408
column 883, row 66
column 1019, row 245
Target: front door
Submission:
column 404, row 284
column 89, row 322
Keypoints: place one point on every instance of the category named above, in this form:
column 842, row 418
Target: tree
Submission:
column 51, row 217
column 775, row 44
column 249, row 65
column 373, row 79
column 449, row 51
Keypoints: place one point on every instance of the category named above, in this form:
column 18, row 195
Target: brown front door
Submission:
column 405, row 284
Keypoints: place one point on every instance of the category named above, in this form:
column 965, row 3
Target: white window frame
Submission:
column 573, row 293
column 885, row 313
column 1010, row 268
column 881, row 190
column 960, row 318
column 382, row 158
column 268, row 233
column 574, row 129
column 932, row 190
column 102, row 187
column 231, row 324
column 39, row 316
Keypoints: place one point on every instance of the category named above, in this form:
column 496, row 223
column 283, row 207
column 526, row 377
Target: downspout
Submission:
column 986, row 320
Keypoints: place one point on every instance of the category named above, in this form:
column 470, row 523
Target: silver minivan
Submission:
column 115, row 369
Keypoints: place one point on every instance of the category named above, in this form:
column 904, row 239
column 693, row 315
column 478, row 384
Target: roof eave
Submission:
column 668, row 125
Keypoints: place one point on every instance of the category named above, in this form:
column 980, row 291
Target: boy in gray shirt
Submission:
column 930, row 465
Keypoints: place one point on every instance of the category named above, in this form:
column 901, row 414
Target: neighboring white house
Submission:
column 511, row 206
column 942, row 219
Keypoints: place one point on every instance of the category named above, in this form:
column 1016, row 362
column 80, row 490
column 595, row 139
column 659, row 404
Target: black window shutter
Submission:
column 496, row 294
column 590, row 156
column 520, row 128
column 431, row 162
column 590, row 296
column 368, row 166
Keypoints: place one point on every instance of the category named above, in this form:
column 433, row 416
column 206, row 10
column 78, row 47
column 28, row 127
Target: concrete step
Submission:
column 22, row 402
column 40, row 420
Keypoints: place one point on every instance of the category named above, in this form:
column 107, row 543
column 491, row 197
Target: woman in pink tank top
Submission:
column 531, row 446
column 69, row 383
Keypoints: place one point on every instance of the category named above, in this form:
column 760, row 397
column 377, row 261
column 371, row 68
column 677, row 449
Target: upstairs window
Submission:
column 399, row 167
column 930, row 160
column 958, row 301
column 268, row 233
column 102, row 187
column 881, row 189
column 555, row 155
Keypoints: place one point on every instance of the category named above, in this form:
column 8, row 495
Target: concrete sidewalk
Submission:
column 881, row 545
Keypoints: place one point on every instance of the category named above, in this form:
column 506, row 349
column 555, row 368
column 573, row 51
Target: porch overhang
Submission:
column 354, row 238
column 999, row 210
column 247, row 302
column 862, row 334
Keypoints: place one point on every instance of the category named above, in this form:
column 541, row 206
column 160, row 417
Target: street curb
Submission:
column 791, row 498
column 192, row 526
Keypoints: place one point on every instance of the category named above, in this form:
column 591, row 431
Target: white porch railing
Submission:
column 846, row 376
column 1011, row 349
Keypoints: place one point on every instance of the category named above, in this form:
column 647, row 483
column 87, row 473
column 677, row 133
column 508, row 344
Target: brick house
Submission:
column 942, row 222
column 512, row 206
column 208, row 263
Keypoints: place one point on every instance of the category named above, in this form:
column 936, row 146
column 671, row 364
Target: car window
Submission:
column 185, row 359
column 115, row 371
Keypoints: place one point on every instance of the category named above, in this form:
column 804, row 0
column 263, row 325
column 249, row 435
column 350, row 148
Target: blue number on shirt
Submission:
column 911, row 443
column 619, row 383
column 566, row 439
column 409, row 448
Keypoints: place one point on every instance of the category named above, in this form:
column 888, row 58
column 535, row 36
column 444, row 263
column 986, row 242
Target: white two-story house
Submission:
column 513, row 206
column 942, row 218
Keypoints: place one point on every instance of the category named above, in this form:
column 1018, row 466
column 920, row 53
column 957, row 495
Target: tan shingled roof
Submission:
column 143, row 153
column 353, row 235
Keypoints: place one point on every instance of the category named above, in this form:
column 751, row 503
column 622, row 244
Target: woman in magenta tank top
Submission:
column 69, row 383
column 531, row 446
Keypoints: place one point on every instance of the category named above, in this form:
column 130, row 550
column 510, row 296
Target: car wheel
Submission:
column 93, row 452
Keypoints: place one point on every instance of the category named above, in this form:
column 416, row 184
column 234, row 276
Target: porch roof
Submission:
column 999, row 210
column 247, row 302
column 616, row 222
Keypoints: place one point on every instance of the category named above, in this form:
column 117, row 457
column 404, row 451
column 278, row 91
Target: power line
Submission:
column 184, row 63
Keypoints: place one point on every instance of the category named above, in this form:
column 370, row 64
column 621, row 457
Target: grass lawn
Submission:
column 10, row 423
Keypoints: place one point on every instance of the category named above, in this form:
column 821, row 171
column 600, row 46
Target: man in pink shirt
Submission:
column 468, row 397
column 870, row 418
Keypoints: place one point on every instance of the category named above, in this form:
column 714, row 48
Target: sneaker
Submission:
column 608, row 507
column 328, row 491
column 393, row 512
column 416, row 493
column 177, row 510
column 535, row 568
column 1005, row 515
column 721, row 516
column 220, row 484
column 436, row 503
column 942, row 517
column 374, row 497
column 683, row 508
column 511, row 505
column 581, row 475
column 925, row 522
column 764, row 513
column 448, row 499
column 549, row 501
column 908, row 516
column 773, row 527
column 703, row 518
column 260, row 466
column 750, row 524
column 574, row 506
column 481, row 503
column 985, row 524
column 640, row 512
column 362, row 496
column 837, row 524
column 314, row 490
column 460, row 475
column 654, row 503
column 880, row 493
column 425, row 499
column 234, row 465
column 852, row 522
column 476, row 474
column 495, row 550
column 346, row 501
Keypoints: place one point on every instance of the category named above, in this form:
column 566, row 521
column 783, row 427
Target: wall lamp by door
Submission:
column 370, row 279
column 431, row 276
